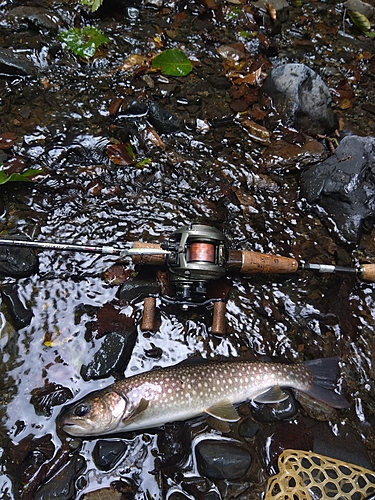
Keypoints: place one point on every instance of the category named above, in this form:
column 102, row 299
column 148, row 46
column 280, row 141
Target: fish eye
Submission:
column 81, row 410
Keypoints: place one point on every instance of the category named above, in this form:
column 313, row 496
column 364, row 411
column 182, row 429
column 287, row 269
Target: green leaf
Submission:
column 172, row 62
column 94, row 4
column 361, row 22
column 25, row 176
column 83, row 42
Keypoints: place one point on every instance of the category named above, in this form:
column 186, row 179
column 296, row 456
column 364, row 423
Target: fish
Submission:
column 184, row 391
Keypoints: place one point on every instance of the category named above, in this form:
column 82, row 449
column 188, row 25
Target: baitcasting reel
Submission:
column 196, row 259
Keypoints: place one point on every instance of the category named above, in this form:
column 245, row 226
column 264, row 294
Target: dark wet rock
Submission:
column 344, row 444
column 20, row 314
column 134, row 109
column 132, row 290
column 178, row 495
column 154, row 352
column 61, row 486
column 106, row 454
column 17, row 262
column 45, row 398
column 29, row 455
column 344, row 186
column 275, row 411
column 112, row 356
column 248, row 428
column 160, row 118
column 283, row 436
column 163, row 121
column 174, row 446
column 301, row 99
column 219, row 459
column 14, row 64
column 23, row 17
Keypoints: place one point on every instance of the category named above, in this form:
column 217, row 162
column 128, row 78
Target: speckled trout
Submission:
column 185, row 391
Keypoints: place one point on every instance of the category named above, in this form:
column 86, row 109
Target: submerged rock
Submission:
column 163, row 121
column 112, row 356
column 219, row 459
column 61, row 486
column 273, row 412
column 14, row 64
column 301, row 99
column 20, row 314
column 17, row 262
column 107, row 453
column 25, row 17
column 344, row 186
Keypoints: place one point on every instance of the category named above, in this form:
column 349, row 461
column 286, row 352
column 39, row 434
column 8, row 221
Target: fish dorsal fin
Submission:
column 223, row 410
column 143, row 404
column 273, row 395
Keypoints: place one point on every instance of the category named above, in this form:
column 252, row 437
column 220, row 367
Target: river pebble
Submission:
column 222, row 459
column 107, row 453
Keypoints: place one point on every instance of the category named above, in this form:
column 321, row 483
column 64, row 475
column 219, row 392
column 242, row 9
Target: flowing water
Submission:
column 63, row 125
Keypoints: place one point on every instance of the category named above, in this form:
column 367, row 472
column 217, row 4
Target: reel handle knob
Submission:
column 367, row 272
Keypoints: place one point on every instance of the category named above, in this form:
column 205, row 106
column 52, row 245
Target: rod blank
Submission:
column 67, row 247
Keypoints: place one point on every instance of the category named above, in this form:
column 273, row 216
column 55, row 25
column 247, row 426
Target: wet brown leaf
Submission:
column 121, row 154
column 233, row 53
column 257, row 132
column 345, row 104
column 117, row 274
column 7, row 140
column 115, row 106
column 110, row 318
column 134, row 61
column 271, row 11
column 150, row 134
column 15, row 165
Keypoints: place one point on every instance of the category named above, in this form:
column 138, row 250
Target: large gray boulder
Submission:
column 300, row 99
column 344, row 186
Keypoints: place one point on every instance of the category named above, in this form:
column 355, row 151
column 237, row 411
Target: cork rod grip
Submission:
column 256, row 262
column 152, row 260
column 367, row 272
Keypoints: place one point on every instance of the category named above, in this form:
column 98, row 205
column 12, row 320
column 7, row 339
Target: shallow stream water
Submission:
column 211, row 176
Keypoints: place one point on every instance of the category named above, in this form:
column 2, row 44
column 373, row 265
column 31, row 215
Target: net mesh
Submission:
column 307, row 476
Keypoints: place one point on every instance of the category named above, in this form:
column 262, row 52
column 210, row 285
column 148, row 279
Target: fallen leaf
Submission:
column 257, row 132
column 150, row 134
column 121, row 154
column 172, row 62
column 7, row 140
column 134, row 61
column 271, row 11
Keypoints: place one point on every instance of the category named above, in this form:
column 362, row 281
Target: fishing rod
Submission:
column 194, row 259
column 106, row 250
column 248, row 263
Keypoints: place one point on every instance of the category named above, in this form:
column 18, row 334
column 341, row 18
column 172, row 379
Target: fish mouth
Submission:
column 72, row 428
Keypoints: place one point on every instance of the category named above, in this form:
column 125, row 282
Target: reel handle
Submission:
column 247, row 262
column 367, row 272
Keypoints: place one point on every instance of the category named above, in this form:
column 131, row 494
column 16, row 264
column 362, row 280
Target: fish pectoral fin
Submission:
column 223, row 410
column 273, row 395
column 143, row 404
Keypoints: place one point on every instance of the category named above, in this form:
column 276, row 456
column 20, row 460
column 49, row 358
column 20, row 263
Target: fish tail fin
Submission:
column 324, row 372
